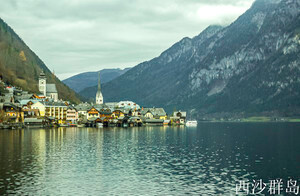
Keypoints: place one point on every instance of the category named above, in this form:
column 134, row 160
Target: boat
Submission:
column 191, row 123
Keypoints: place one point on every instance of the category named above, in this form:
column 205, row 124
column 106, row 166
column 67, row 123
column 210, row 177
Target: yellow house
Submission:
column 58, row 110
column 154, row 113
column 93, row 113
column 41, row 107
column 117, row 113
column 52, row 109
column 148, row 114
column 13, row 112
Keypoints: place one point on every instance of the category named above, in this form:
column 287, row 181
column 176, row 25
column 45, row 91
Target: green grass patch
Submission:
column 256, row 119
column 294, row 120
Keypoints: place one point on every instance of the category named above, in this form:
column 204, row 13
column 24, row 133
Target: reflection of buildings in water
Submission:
column 39, row 146
column 81, row 145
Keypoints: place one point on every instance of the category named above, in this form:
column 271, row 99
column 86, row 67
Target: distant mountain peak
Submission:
column 249, row 67
column 88, row 79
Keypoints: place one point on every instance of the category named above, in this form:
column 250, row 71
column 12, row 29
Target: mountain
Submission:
column 250, row 67
column 21, row 67
column 88, row 79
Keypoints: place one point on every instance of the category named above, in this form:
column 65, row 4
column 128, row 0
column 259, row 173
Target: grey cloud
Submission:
column 72, row 36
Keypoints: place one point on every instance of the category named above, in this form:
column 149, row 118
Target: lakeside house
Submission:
column 57, row 110
column 72, row 115
column 83, row 109
column 154, row 113
column 93, row 113
column 29, row 111
column 39, row 106
column 13, row 112
column 178, row 117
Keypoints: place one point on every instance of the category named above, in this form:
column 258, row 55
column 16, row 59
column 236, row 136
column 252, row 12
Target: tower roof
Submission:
column 99, row 84
column 42, row 74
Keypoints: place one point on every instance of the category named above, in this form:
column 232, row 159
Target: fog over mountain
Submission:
column 249, row 67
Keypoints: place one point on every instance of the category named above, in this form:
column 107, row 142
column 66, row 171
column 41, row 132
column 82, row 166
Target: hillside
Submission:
column 20, row 66
column 250, row 67
column 84, row 80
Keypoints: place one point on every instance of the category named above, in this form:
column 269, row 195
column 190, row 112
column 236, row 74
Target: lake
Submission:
column 210, row 159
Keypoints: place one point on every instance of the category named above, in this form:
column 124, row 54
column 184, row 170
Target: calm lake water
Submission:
column 209, row 159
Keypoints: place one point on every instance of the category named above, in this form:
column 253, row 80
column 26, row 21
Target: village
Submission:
column 19, row 109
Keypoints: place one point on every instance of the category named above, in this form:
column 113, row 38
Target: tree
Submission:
column 22, row 56
column 3, row 116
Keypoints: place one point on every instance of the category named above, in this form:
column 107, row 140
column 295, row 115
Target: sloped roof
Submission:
column 101, row 106
column 56, row 104
column 154, row 111
column 70, row 107
column 83, row 107
column 25, row 101
column 9, row 104
column 183, row 114
column 51, row 88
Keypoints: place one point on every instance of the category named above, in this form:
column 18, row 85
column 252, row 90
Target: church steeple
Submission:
column 99, row 97
column 42, row 83
column 99, row 84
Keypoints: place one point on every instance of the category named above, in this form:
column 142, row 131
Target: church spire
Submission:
column 99, row 96
column 99, row 84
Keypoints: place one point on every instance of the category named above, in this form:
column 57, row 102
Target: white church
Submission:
column 99, row 96
column 48, row 90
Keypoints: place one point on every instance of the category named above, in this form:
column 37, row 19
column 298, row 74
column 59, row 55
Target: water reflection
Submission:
column 209, row 159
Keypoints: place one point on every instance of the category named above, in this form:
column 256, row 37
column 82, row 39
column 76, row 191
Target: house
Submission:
column 178, row 117
column 82, row 109
column 106, row 113
column 117, row 113
column 34, row 122
column 72, row 115
column 13, row 112
column 147, row 113
column 136, row 113
column 154, row 113
column 93, row 113
column 129, row 105
column 39, row 106
column 26, row 105
column 123, row 121
column 29, row 113
column 135, row 121
column 58, row 110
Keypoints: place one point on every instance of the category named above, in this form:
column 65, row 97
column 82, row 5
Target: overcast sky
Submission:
column 74, row 36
